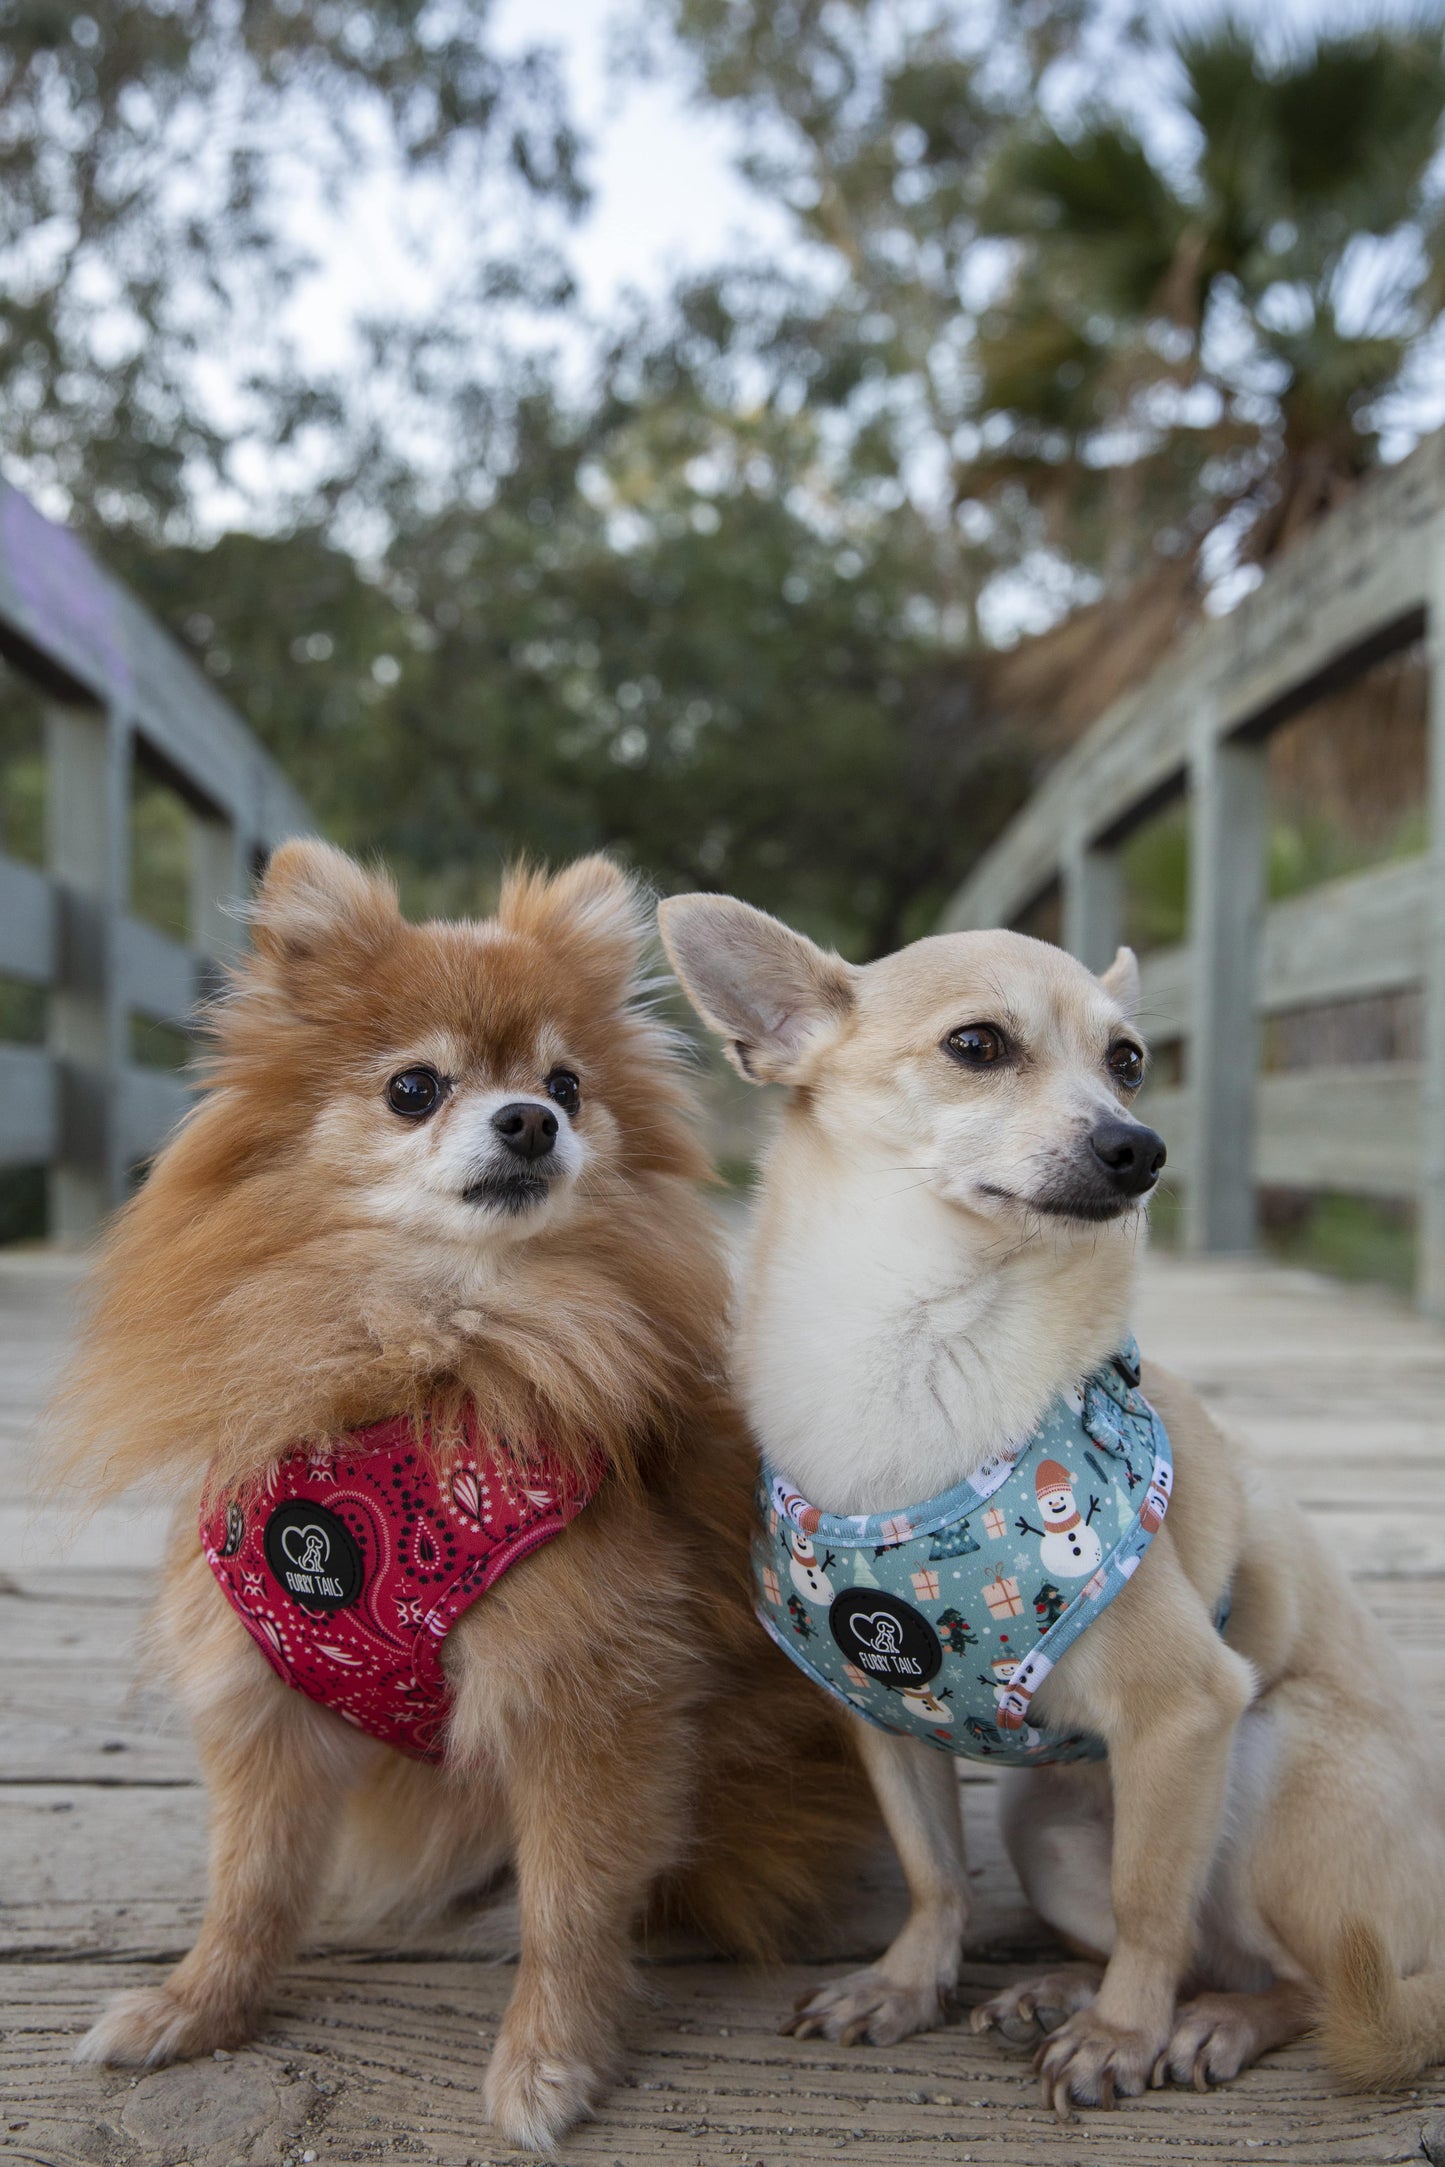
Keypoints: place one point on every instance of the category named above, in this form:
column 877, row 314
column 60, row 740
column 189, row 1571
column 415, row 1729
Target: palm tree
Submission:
column 1197, row 352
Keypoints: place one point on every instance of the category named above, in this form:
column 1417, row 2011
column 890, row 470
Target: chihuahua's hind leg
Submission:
column 276, row 1770
column 906, row 1989
column 1217, row 2035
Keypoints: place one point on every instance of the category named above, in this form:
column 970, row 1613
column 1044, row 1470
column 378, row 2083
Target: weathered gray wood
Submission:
column 150, row 1103
column 1346, row 585
column 1432, row 1178
column 374, row 2052
column 86, row 804
column 28, row 938
column 118, row 689
column 1367, row 933
column 1229, row 810
column 1093, row 904
column 157, row 974
column 1355, row 1130
column 66, row 605
column 219, row 882
column 30, row 1133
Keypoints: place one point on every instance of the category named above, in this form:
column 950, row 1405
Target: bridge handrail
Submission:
column 1367, row 583
column 118, row 693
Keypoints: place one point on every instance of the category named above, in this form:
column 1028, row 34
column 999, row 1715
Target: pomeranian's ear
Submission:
column 1122, row 981
column 775, row 998
column 314, row 896
column 592, row 909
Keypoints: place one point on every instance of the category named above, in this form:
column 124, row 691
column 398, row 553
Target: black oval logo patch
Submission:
column 887, row 1638
column 313, row 1556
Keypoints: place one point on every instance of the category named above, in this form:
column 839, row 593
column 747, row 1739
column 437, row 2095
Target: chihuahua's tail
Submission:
column 1377, row 2029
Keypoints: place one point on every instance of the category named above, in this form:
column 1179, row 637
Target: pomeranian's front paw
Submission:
column 1032, row 2008
column 533, row 2096
column 864, row 2008
column 1088, row 2063
column 149, row 2025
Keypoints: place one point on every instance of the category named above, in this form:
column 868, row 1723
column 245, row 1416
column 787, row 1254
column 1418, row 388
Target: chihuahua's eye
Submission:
column 1126, row 1064
column 416, row 1092
column 977, row 1045
column 564, row 1089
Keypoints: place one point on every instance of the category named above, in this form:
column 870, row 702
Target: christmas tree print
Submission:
column 953, row 1631
column 802, row 1623
column 952, row 1542
column 1050, row 1604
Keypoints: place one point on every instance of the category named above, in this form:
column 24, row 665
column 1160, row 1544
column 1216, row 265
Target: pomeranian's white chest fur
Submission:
column 891, row 1343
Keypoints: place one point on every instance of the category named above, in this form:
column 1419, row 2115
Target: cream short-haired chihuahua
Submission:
column 946, row 1240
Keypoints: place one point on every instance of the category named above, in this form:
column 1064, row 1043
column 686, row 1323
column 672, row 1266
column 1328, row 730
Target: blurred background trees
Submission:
column 788, row 582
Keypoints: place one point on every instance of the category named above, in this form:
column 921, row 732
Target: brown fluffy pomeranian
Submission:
column 443, row 1181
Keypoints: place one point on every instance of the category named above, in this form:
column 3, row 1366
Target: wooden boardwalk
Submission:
column 375, row 2054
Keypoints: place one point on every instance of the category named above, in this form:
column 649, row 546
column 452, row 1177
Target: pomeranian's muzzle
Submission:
column 1115, row 1167
column 520, row 1169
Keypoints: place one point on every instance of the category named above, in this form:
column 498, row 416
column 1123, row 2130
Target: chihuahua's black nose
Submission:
column 1130, row 1155
column 525, row 1128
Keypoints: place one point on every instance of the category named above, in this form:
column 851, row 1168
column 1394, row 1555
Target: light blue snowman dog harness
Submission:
column 942, row 1621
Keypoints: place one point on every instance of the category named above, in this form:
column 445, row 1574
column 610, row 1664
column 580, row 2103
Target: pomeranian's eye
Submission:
column 416, row 1092
column 1126, row 1064
column 977, row 1045
column 563, row 1087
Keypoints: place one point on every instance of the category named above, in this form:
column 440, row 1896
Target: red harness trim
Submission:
column 349, row 1569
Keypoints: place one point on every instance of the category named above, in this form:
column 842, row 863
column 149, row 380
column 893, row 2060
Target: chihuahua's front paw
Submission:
column 865, row 2008
column 1088, row 2063
column 1031, row 2007
column 533, row 2096
column 149, row 2026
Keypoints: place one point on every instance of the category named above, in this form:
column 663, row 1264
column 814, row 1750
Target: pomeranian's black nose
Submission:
column 1130, row 1155
column 527, row 1129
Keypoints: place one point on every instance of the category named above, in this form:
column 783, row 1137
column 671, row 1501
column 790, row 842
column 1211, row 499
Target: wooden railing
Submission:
column 118, row 694
column 1368, row 583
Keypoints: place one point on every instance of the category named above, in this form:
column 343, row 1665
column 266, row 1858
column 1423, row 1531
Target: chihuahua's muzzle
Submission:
column 1115, row 1166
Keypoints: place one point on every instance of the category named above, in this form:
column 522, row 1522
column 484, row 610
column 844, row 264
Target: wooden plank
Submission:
column 28, row 938
column 365, row 2059
column 1360, row 935
column 151, row 1102
column 372, row 2053
column 60, row 600
column 1354, row 1130
column 157, row 974
column 29, row 1106
column 1228, row 826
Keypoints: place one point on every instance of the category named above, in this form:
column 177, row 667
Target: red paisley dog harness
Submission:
column 349, row 1570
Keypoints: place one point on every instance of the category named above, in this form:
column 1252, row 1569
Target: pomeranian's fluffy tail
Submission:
column 785, row 1816
column 1377, row 2029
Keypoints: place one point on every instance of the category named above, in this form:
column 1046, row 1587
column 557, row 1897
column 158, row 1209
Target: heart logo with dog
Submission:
column 885, row 1637
column 313, row 1555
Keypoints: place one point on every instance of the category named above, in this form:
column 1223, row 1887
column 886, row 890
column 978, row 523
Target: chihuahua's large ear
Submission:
column 1122, row 980
column 314, row 896
column 770, row 993
column 593, row 908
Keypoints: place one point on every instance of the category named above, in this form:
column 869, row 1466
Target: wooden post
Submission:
column 87, row 836
column 1229, row 815
column 218, row 887
column 1432, row 1169
column 1093, row 883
